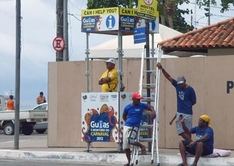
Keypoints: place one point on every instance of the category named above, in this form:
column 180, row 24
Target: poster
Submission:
column 101, row 119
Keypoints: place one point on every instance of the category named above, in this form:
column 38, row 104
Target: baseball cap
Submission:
column 111, row 60
column 180, row 80
column 136, row 95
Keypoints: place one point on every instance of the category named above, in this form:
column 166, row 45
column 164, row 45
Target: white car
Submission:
column 41, row 126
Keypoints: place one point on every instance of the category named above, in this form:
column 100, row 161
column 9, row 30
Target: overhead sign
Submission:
column 58, row 43
column 147, row 9
column 127, row 19
column 104, row 19
column 139, row 35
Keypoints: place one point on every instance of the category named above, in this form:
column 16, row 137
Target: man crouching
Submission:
column 204, row 143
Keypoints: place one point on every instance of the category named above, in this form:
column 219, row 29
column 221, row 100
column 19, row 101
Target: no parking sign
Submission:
column 58, row 43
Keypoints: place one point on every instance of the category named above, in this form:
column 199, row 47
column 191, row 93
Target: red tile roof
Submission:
column 219, row 35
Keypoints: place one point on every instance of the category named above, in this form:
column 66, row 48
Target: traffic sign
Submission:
column 58, row 43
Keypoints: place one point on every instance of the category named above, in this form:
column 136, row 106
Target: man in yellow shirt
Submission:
column 109, row 79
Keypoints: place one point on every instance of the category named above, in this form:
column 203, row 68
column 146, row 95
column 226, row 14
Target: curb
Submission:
column 108, row 158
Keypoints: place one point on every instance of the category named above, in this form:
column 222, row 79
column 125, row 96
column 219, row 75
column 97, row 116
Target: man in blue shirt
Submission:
column 132, row 115
column 186, row 98
column 204, row 143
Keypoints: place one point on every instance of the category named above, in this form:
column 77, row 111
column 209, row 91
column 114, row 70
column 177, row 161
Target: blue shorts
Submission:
column 192, row 150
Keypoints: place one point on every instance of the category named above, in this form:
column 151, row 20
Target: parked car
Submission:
column 42, row 125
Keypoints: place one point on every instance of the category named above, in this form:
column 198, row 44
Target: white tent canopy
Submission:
column 130, row 50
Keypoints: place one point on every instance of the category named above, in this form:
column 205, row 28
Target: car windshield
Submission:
column 41, row 107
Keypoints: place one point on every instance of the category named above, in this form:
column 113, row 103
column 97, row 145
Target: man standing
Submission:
column 41, row 98
column 132, row 115
column 109, row 79
column 204, row 143
column 186, row 98
column 10, row 103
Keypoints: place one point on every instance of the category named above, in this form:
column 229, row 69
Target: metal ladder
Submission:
column 151, row 95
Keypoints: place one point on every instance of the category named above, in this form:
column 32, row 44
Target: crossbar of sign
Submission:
column 58, row 43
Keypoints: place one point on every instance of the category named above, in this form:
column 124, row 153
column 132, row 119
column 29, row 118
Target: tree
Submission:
column 170, row 15
column 226, row 4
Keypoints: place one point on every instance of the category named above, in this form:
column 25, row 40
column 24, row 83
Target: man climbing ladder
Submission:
column 132, row 115
column 151, row 86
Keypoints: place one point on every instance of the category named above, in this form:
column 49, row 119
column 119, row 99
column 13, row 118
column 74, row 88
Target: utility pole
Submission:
column 208, row 11
column 65, row 31
column 59, row 15
column 17, row 73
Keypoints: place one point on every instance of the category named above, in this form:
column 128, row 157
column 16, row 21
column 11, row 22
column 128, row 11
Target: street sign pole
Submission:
column 17, row 74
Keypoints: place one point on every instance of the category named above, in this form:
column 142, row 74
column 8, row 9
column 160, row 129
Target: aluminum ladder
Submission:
column 153, row 87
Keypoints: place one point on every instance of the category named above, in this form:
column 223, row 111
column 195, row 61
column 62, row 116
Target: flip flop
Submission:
column 180, row 164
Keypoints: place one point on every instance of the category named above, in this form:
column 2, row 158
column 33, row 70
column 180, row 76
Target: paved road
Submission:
column 35, row 135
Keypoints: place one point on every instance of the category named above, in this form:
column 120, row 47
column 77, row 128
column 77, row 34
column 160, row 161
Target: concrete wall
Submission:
column 208, row 76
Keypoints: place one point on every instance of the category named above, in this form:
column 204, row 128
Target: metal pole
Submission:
column 17, row 73
column 120, row 74
column 148, row 69
column 65, row 31
column 153, row 61
column 87, row 73
column 87, row 52
column 59, row 14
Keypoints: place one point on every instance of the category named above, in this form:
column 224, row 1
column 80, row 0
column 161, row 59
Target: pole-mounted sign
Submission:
column 147, row 9
column 58, row 44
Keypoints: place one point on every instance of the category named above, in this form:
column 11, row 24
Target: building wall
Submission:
column 207, row 75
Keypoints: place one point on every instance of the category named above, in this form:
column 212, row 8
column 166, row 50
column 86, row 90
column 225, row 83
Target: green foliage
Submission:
column 93, row 4
column 226, row 4
column 180, row 23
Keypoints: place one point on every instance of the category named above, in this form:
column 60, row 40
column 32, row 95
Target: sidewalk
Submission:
column 38, row 150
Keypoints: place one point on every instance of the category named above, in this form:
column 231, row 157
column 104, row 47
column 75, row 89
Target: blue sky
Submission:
column 38, row 31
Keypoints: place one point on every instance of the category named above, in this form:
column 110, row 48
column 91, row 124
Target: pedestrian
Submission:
column 41, row 98
column 204, row 143
column 109, row 79
column 132, row 115
column 10, row 103
column 186, row 99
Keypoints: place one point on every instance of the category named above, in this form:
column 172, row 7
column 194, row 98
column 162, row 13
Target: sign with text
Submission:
column 147, row 9
column 139, row 35
column 100, row 116
column 104, row 19
column 127, row 19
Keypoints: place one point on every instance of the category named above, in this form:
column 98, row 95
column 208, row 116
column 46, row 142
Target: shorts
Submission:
column 192, row 150
column 188, row 120
column 130, row 135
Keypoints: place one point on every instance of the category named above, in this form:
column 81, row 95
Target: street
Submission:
column 9, row 138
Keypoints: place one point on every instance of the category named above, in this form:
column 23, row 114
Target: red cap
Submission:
column 136, row 95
